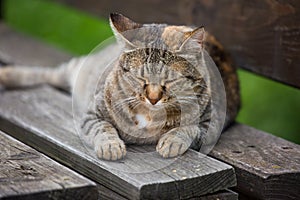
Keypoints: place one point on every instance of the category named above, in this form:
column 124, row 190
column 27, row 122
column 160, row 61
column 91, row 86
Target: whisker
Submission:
column 187, row 102
column 187, row 97
column 118, row 106
column 125, row 101
column 131, row 102
column 136, row 105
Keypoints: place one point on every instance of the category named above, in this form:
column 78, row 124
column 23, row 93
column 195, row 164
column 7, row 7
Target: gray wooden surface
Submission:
column 106, row 194
column 42, row 117
column 262, row 35
column 18, row 49
column 267, row 167
column 28, row 174
column 221, row 195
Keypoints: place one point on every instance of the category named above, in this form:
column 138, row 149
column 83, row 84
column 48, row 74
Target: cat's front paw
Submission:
column 171, row 146
column 111, row 149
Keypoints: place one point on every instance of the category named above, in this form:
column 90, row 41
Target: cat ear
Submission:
column 193, row 40
column 121, row 27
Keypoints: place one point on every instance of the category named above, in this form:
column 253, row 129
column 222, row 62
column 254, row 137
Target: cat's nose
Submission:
column 153, row 93
column 153, row 101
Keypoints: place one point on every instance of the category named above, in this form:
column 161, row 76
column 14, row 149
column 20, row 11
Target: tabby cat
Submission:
column 139, row 99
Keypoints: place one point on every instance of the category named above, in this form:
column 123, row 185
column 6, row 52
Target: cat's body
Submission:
column 141, row 97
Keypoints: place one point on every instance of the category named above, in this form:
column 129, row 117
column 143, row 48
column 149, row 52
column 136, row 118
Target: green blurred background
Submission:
column 266, row 105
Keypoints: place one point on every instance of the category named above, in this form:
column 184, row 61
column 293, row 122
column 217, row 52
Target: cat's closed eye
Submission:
column 125, row 69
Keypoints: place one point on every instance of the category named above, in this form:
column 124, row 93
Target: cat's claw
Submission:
column 171, row 146
column 111, row 150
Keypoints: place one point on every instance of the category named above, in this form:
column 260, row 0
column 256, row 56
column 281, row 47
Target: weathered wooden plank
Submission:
column 267, row 167
column 221, row 195
column 42, row 117
column 28, row 174
column 263, row 36
column 146, row 10
column 106, row 194
column 19, row 49
column 51, row 131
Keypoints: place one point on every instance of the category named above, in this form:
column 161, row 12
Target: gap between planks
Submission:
column 27, row 174
column 42, row 118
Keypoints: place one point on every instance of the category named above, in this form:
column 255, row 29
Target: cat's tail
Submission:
column 25, row 76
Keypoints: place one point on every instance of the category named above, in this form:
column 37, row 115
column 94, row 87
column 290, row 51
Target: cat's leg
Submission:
column 177, row 141
column 103, row 137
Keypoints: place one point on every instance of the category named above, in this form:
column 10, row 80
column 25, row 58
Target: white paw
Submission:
column 171, row 146
column 111, row 149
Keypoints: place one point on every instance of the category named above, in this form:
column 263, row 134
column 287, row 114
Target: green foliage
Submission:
column 266, row 105
column 67, row 28
column 270, row 106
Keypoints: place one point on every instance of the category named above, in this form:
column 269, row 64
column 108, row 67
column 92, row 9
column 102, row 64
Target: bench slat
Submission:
column 18, row 49
column 267, row 167
column 106, row 194
column 222, row 195
column 28, row 174
column 57, row 138
column 262, row 35
column 42, row 118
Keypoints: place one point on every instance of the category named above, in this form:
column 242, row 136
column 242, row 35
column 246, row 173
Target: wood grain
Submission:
column 106, row 194
column 28, row 174
column 42, row 118
column 51, row 130
column 263, row 36
column 221, row 195
column 267, row 167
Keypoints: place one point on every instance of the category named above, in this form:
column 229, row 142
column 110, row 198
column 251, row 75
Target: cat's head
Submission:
column 153, row 64
column 174, row 38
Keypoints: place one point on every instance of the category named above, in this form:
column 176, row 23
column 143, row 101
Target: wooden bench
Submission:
column 267, row 167
column 27, row 174
column 42, row 118
column 263, row 37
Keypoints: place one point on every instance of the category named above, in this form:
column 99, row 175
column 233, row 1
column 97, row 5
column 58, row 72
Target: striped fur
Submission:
column 151, row 95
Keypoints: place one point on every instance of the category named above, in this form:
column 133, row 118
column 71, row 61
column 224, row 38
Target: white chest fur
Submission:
column 141, row 121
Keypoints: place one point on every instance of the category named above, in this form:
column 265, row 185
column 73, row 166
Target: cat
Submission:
column 139, row 99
